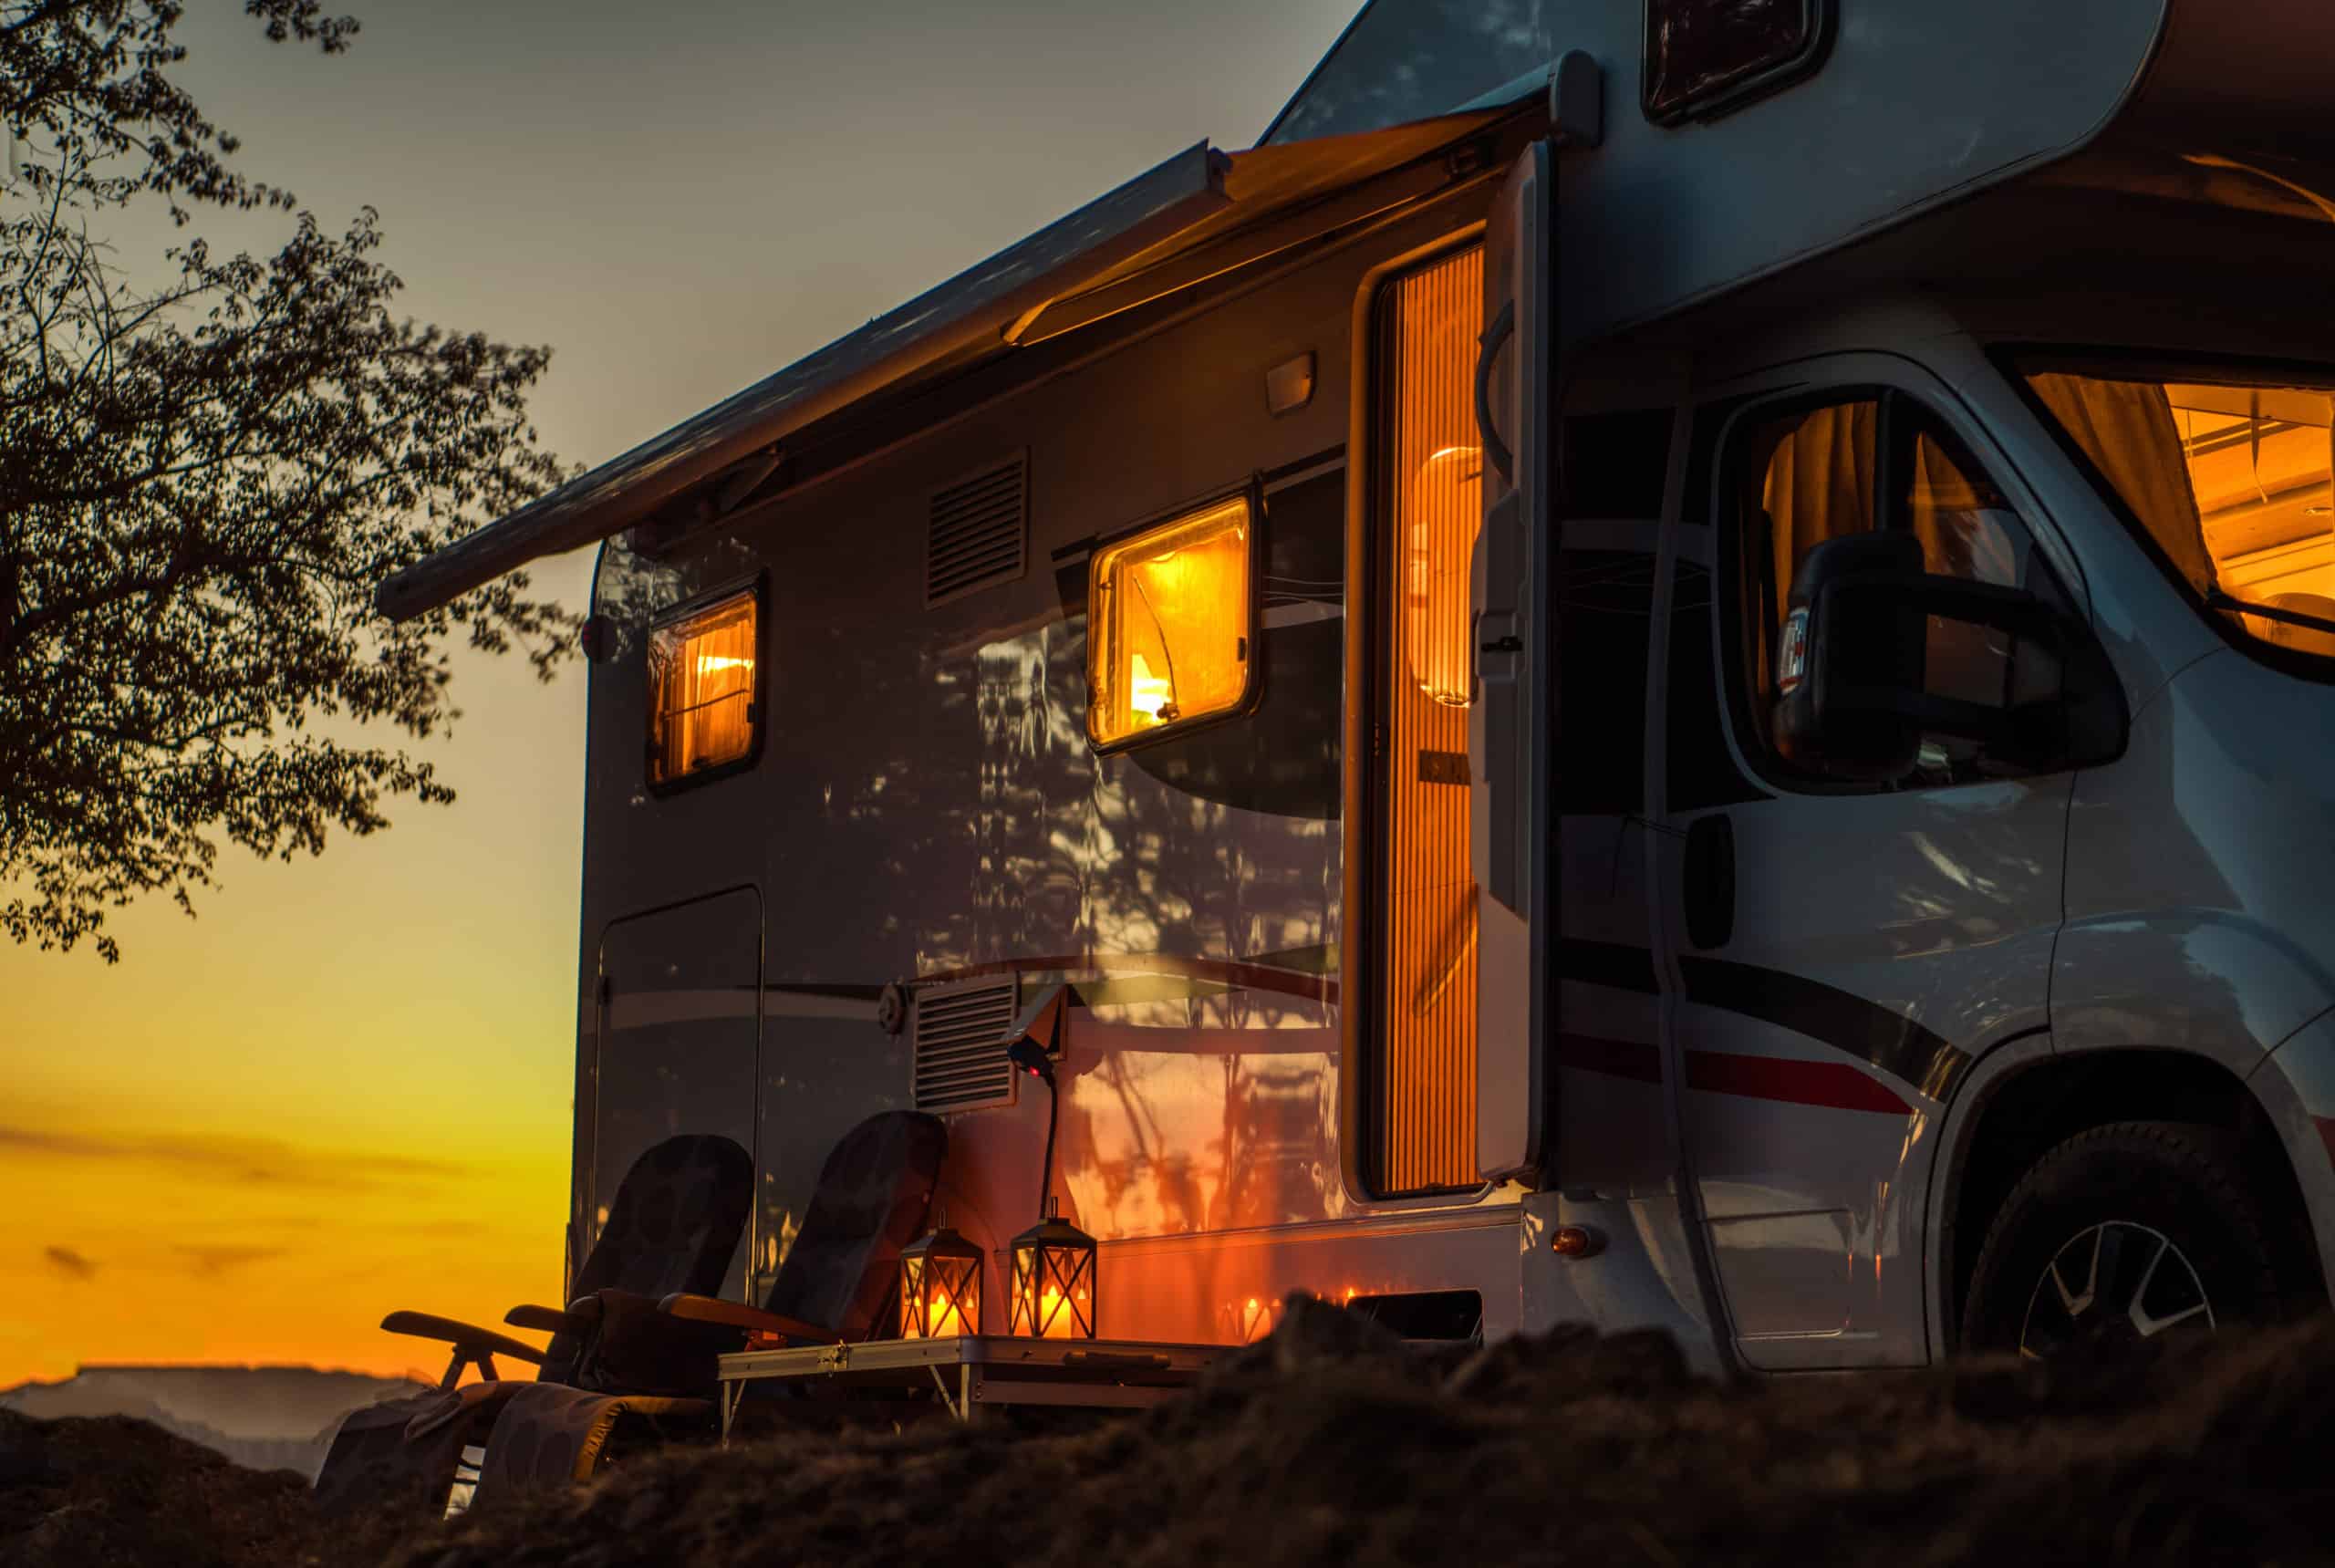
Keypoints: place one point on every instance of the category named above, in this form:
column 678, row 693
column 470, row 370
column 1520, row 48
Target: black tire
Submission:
column 2114, row 1193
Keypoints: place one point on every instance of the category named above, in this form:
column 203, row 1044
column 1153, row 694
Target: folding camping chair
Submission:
column 873, row 1193
column 673, row 1225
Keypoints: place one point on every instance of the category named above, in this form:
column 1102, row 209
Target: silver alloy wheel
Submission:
column 2116, row 1282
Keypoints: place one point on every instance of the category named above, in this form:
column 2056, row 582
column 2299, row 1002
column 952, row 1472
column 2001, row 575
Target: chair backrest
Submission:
column 672, row 1226
column 873, row 1193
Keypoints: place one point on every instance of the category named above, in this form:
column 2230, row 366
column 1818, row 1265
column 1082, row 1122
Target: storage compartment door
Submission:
column 1513, row 717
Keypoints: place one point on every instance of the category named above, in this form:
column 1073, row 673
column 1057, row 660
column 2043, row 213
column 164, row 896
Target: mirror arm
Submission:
column 1941, row 715
column 2013, row 610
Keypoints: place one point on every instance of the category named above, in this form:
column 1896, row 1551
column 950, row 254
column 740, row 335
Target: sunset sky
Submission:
column 344, row 1087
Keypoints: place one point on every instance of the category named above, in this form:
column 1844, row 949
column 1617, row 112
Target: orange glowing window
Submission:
column 701, row 679
column 1171, row 624
column 2232, row 479
column 1431, row 507
column 1443, row 508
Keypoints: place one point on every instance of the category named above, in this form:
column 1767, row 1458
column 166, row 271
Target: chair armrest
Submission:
column 462, row 1335
column 590, row 1310
column 551, row 1320
column 737, row 1314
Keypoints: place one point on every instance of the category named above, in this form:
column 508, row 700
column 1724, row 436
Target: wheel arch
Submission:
column 2024, row 1097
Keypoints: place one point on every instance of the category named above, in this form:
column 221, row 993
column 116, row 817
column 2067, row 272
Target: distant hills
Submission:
column 265, row 1418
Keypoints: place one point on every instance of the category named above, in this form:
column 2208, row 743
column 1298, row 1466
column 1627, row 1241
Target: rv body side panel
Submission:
column 927, row 809
column 1230, row 1287
column 2198, row 912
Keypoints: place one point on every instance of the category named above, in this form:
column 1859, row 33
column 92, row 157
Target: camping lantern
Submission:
column 1053, row 1291
column 941, row 1287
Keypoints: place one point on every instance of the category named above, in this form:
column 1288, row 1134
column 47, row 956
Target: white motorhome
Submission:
column 1669, row 664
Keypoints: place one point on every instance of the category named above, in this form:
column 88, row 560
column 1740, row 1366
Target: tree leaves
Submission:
column 201, row 483
column 93, row 75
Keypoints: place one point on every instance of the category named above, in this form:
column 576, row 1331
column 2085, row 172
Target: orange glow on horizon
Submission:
column 213, row 1248
column 343, row 1090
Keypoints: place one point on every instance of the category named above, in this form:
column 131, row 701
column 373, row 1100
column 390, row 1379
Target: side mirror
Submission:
column 1855, row 694
column 1852, row 646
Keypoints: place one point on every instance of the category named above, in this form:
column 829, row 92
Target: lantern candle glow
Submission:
column 1051, row 1294
column 941, row 1287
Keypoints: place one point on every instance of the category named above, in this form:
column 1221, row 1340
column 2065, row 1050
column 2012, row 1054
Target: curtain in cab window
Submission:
column 1427, row 984
column 701, row 671
column 2128, row 431
column 2232, row 479
column 1818, row 483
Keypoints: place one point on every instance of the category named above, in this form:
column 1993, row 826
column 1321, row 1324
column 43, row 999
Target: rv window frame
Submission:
column 1251, row 491
column 756, row 586
column 1824, row 16
column 2018, row 361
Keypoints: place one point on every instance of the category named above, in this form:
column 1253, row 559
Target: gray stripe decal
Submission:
column 1873, row 1033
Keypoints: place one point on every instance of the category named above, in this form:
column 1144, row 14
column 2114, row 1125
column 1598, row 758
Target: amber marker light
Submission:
column 1576, row 1241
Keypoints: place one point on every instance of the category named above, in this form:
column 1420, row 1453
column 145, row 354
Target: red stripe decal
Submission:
column 1614, row 1058
column 1836, row 1085
column 2326, row 1125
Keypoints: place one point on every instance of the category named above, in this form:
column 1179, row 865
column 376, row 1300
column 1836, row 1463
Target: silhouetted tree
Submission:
column 201, row 478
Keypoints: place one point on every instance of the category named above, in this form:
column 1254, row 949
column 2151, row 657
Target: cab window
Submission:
column 1808, row 472
column 2228, row 478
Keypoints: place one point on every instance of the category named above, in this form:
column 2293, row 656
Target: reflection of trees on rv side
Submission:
column 927, row 801
column 1195, row 1116
column 1227, row 848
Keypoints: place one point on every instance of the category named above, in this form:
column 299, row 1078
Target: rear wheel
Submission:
column 2123, row 1235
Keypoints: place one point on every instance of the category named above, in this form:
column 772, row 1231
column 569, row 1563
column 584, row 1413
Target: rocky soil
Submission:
column 1331, row 1444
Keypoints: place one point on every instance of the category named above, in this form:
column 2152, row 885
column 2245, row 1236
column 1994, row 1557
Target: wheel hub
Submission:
column 2114, row 1286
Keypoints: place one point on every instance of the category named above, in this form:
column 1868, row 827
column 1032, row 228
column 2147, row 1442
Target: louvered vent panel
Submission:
column 961, row 1044
column 978, row 533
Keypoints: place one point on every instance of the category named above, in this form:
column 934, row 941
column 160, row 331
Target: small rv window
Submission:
column 1171, row 621
column 1705, row 56
column 701, row 681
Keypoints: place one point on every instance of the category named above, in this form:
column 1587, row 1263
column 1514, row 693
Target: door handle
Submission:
column 1710, row 881
column 1495, row 337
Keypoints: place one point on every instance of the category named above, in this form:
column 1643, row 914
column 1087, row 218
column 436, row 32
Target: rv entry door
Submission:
column 1510, row 717
column 678, row 1024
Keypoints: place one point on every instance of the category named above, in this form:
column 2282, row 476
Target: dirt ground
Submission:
column 1331, row 1444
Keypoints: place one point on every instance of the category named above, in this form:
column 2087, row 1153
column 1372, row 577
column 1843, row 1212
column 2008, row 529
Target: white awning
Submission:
column 1198, row 214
